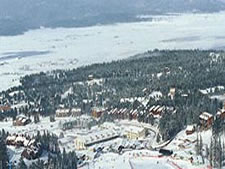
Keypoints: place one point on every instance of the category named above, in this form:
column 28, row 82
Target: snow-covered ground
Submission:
column 183, row 146
column 131, row 160
column 47, row 49
column 140, row 159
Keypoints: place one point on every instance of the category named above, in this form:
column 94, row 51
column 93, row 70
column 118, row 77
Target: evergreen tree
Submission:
column 3, row 153
column 36, row 118
column 21, row 164
column 197, row 147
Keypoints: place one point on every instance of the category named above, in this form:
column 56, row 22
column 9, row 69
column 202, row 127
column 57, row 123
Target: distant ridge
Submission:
column 18, row 16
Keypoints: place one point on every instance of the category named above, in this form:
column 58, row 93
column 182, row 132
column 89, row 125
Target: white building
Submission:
column 76, row 112
column 84, row 141
column 135, row 133
column 63, row 112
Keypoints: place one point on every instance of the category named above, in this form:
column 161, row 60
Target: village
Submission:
column 92, row 139
column 106, row 124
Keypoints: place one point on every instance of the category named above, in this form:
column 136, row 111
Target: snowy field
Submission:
column 63, row 48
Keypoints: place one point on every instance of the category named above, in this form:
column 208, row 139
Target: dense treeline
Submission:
column 55, row 161
column 49, row 142
column 3, row 151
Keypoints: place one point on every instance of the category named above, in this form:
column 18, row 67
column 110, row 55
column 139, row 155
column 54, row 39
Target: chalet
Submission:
column 20, row 141
column 113, row 112
column 17, row 140
column 124, row 113
column 32, row 149
column 75, row 112
column 160, row 110
column 151, row 108
column 156, row 110
column 97, row 112
column 118, row 113
column 21, row 121
column 11, row 140
column 190, row 129
column 135, row 133
column 82, row 142
column 4, row 108
column 63, row 112
column 133, row 114
column 31, row 153
column 221, row 114
column 206, row 120
column 90, row 77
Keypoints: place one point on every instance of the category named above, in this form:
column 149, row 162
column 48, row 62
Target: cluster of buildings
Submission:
column 21, row 121
column 4, row 108
column 107, row 132
column 119, row 113
column 32, row 149
column 64, row 112
column 221, row 113
column 206, row 119
column 131, row 114
column 83, row 122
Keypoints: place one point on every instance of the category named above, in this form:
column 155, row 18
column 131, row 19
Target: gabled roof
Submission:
column 205, row 116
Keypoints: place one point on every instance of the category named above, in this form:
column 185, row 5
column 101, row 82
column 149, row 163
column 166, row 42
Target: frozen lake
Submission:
column 63, row 48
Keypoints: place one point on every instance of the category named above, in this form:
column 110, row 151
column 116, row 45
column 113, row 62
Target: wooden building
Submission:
column 206, row 120
column 157, row 110
column 118, row 113
column 97, row 112
column 21, row 121
column 221, row 114
column 4, row 108
column 33, row 149
column 190, row 129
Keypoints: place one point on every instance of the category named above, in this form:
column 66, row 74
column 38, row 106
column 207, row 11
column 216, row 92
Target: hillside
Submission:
column 158, row 93
column 190, row 72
